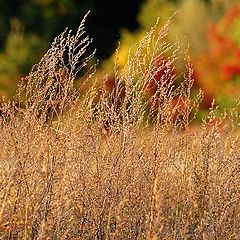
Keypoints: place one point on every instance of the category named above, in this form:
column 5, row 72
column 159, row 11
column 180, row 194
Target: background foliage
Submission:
column 210, row 32
column 209, row 28
column 28, row 27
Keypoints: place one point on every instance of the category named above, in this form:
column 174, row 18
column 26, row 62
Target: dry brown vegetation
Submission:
column 76, row 168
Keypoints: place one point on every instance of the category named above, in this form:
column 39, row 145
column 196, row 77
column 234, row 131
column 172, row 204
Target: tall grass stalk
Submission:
column 108, row 165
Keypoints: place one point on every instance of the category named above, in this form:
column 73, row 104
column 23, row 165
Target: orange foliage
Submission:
column 219, row 67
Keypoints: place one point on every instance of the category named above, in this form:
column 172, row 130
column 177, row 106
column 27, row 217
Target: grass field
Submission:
column 103, row 165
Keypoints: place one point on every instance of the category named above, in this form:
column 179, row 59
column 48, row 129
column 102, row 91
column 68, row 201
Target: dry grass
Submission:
column 76, row 168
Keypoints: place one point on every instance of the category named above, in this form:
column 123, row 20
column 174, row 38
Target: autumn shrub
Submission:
column 98, row 165
column 218, row 68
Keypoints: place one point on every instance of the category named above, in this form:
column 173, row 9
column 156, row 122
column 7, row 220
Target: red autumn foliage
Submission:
column 217, row 67
column 115, row 90
column 231, row 70
column 160, row 76
column 180, row 105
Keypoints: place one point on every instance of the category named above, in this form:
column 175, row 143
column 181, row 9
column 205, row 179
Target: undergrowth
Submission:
column 91, row 163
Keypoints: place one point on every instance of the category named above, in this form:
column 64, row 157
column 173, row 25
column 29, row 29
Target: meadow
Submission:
column 125, row 161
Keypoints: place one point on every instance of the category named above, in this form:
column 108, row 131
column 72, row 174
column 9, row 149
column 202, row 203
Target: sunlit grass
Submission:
column 109, row 165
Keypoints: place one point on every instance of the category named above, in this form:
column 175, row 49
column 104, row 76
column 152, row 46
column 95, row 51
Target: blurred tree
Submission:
column 190, row 28
column 27, row 27
column 47, row 18
column 41, row 20
column 19, row 54
column 218, row 68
